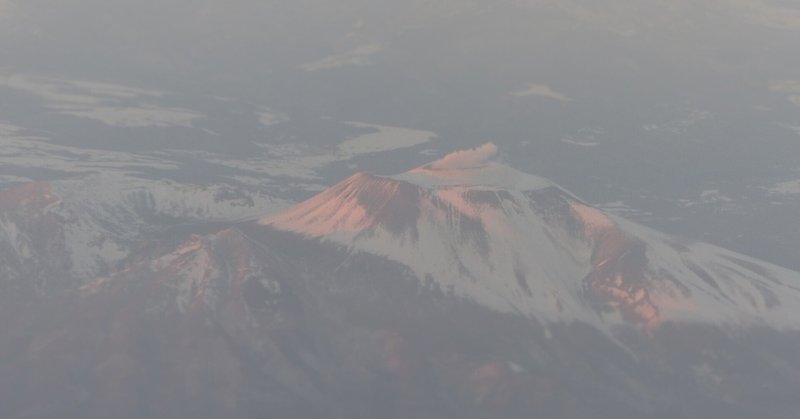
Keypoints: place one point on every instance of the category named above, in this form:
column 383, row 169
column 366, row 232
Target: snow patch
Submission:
column 541, row 90
column 357, row 57
column 111, row 104
column 791, row 187
column 269, row 118
column 580, row 143
column 383, row 138
column 791, row 88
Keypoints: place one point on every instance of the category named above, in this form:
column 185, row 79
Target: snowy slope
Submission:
column 519, row 243
column 69, row 231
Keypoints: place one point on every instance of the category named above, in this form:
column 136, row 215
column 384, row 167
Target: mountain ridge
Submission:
column 518, row 242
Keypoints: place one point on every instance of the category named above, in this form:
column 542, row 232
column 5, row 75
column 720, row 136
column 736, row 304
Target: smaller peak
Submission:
column 363, row 177
column 361, row 180
column 465, row 159
column 476, row 167
column 359, row 175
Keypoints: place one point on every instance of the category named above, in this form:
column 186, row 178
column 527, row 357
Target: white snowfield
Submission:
column 101, row 218
column 521, row 244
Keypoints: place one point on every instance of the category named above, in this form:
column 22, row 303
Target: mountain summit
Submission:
column 519, row 243
column 476, row 167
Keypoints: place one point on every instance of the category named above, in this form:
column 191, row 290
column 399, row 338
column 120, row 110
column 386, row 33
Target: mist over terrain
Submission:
column 427, row 208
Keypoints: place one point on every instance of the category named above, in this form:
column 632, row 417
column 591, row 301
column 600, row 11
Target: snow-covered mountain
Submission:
column 521, row 244
column 57, row 235
column 460, row 289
